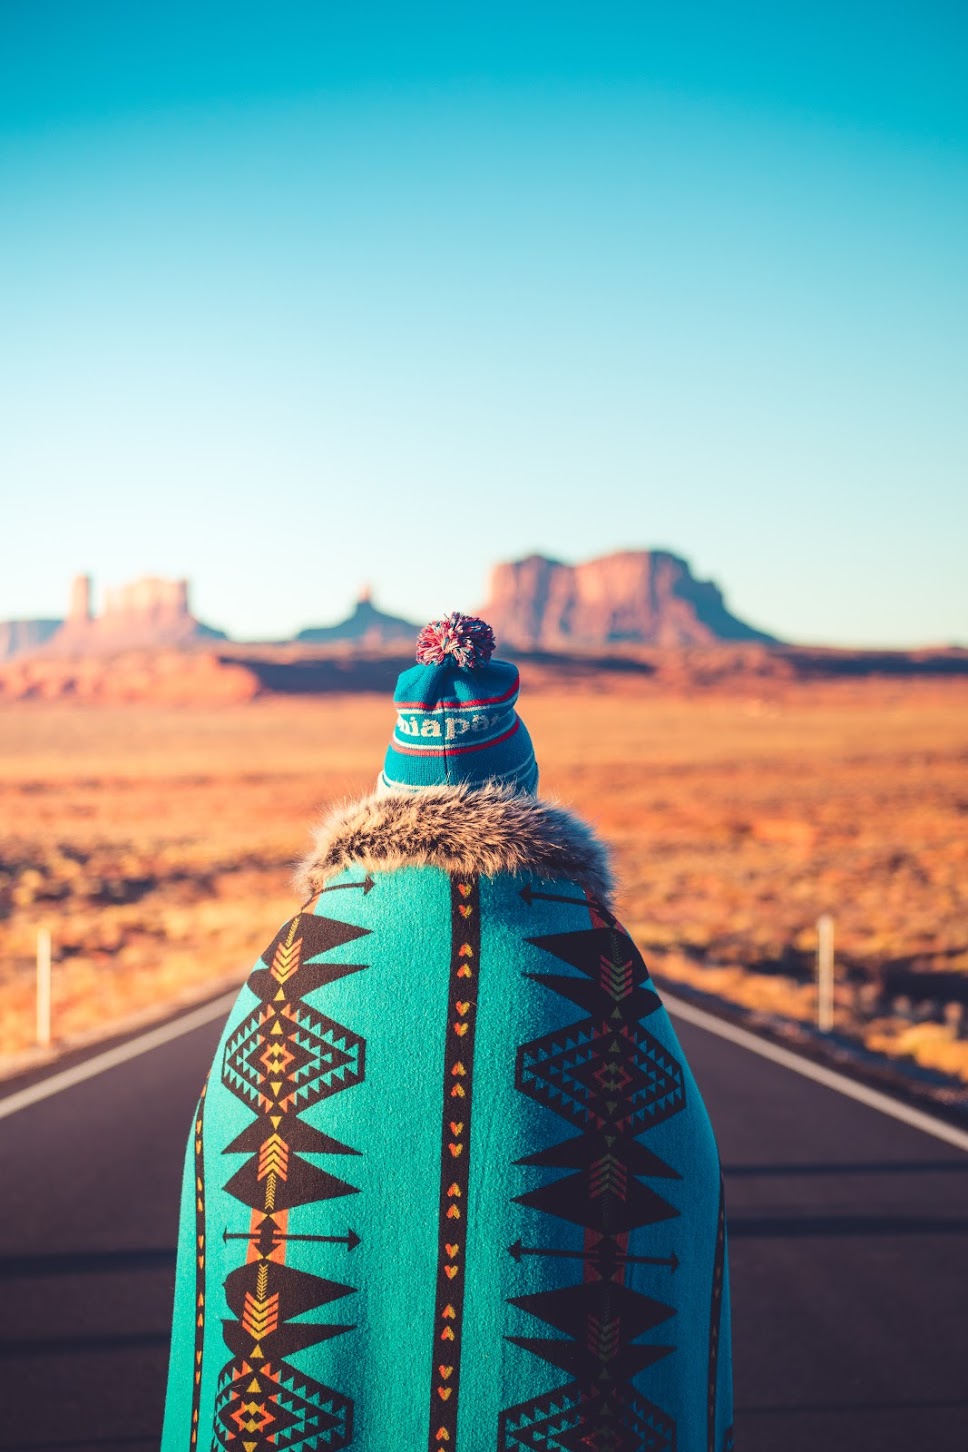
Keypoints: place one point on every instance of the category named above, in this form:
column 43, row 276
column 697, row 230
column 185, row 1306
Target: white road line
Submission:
column 44, row 1088
column 830, row 1077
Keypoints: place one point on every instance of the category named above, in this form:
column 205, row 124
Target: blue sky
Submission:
column 304, row 296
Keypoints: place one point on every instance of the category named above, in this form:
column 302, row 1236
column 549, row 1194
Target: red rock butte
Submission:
column 149, row 613
column 632, row 597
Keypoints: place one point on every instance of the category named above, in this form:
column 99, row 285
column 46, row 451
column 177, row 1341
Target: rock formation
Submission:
column 366, row 626
column 633, row 597
column 19, row 636
column 147, row 614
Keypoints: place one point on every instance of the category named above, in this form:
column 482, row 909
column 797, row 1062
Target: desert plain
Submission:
column 156, row 842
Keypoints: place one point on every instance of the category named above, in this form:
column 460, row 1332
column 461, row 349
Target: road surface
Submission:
column 848, row 1243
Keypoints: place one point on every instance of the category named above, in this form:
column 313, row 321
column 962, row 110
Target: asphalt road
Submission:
column 848, row 1240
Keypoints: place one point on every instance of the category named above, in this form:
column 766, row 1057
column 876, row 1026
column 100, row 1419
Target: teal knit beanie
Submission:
column 456, row 720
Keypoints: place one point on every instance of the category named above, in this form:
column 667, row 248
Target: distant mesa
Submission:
column 148, row 614
column 632, row 597
column 635, row 620
column 366, row 626
column 17, row 637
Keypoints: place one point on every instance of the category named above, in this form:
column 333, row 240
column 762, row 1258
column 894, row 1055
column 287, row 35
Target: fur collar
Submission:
column 486, row 830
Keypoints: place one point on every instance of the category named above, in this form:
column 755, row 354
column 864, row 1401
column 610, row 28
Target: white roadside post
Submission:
column 43, row 988
column 825, row 973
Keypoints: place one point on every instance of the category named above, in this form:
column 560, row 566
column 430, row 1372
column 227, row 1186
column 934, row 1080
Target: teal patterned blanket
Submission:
column 451, row 1184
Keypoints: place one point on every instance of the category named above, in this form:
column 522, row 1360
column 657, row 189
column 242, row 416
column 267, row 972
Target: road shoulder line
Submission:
column 120, row 1054
column 831, row 1078
column 745, row 1038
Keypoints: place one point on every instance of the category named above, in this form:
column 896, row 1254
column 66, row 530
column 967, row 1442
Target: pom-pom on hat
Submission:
column 456, row 720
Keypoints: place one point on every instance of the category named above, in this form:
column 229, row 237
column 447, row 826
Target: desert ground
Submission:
column 157, row 842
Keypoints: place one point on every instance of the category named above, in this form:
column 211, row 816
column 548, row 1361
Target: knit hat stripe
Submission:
column 526, row 771
column 431, row 749
column 524, row 778
column 463, row 705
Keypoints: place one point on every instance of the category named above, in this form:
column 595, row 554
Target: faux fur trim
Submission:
column 484, row 830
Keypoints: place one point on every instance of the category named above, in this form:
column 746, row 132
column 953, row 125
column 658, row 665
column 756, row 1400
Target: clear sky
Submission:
column 301, row 296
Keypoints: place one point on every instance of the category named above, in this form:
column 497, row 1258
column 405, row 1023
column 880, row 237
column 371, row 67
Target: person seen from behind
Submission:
column 451, row 1183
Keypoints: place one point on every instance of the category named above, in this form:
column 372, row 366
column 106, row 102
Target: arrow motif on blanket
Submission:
column 366, row 885
column 602, row 1252
column 529, row 896
column 351, row 1240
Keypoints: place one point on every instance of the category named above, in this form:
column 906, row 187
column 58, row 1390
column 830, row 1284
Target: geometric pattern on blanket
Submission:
column 611, row 1079
column 281, row 1059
